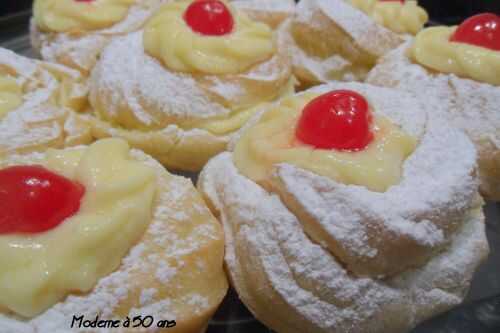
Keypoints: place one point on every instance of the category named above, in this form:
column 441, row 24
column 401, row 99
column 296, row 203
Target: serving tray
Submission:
column 479, row 313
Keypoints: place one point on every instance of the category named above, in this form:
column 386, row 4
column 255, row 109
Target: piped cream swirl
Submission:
column 433, row 49
column 403, row 18
column 75, row 16
column 272, row 141
column 168, row 38
column 38, row 270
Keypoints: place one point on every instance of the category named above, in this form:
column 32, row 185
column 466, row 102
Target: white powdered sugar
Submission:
column 287, row 6
column 304, row 12
column 266, row 71
column 164, row 272
column 316, row 67
column 468, row 104
column 438, row 186
column 129, row 83
column 38, row 122
column 23, row 66
column 38, row 85
column 294, row 283
column 164, row 112
column 156, row 310
column 83, row 50
column 129, row 79
column 147, row 295
column 360, row 35
column 196, row 300
column 367, row 34
column 471, row 105
column 147, row 256
column 226, row 89
column 25, row 128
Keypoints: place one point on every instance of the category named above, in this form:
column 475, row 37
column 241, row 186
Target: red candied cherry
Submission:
column 34, row 199
column 338, row 120
column 481, row 30
column 209, row 17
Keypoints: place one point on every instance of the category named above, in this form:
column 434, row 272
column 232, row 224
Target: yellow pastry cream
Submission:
column 168, row 38
column 401, row 17
column 74, row 16
column 433, row 49
column 273, row 141
column 38, row 270
column 11, row 95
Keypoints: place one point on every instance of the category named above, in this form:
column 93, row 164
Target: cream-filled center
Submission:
column 76, row 16
column 41, row 269
column 168, row 38
column 432, row 48
column 402, row 18
column 273, row 141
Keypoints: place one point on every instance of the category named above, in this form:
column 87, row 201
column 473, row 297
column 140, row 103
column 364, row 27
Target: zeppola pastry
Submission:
column 349, row 208
column 111, row 238
column 460, row 68
column 179, row 89
column 38, row 101
column 333, row 40
column 74, row 32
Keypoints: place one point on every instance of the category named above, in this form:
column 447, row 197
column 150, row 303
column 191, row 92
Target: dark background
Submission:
column 445, row 11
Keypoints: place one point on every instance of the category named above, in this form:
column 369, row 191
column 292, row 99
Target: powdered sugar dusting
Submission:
column 266, row 5
column 147, row 256
column 296, row 283
column 361, row 35
column 198, row 301
column 19, row 130
column 147, row 295
column 443, row 202
column 369, row 35
column 82, row 51
column 226, row 89
column 127, row 79
column 164, row 272
column 38, row 122
column 23, row 66
column 470, row 105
